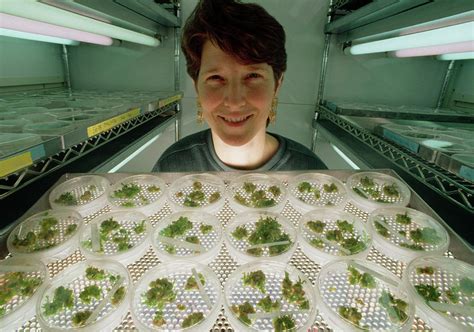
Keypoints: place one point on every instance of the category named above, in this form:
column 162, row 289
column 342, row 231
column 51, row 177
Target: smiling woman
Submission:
column 236, row 56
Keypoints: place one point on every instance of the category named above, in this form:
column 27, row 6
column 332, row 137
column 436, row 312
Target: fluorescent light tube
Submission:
column 435, row 50
column 345, row 157
column 26, row 25
column 451, row 34
column 37, row 11
column 456, row 56
column 32, row 36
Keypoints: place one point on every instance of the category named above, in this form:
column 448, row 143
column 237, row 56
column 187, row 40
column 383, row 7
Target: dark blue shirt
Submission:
column 195, row 153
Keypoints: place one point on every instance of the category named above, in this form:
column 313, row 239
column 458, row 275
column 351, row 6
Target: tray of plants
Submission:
column 275, row 251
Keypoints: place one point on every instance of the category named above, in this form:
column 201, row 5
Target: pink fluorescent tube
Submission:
column 467, row 46
column 26, row 25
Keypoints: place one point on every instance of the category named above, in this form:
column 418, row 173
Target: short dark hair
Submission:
column 244, row 30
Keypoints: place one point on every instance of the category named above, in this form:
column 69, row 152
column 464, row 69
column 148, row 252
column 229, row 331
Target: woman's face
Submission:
column 235, row 98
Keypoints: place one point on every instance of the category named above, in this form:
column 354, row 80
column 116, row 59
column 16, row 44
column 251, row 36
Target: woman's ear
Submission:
column 278, row 85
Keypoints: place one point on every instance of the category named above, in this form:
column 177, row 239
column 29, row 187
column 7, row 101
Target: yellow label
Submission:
column 15, row 163
column 112, row 122
column 167, row 101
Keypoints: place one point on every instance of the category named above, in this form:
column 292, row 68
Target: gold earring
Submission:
column 199, row 118
column 272, row 115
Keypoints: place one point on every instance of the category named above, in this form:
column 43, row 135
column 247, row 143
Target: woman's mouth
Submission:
column 235, row 121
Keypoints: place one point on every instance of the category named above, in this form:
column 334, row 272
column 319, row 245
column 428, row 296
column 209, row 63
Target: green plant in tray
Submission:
column 79, row 318
column 284, row 323
column 192, row 284
column 243, row 310
column 330, row 188
column 403, row 219
column 177, row 228
column 395, row 308
column 316, row 226
column 192, row 319
column 267, row 305
column 16, row 284
column 159, row 293
column 255, row 279
column 364, row 280
column 351, row 314
column 93, row 273
column 89, row 293
column 205, row 229
column 240, row 233
column 67, row 198
column 293, row 292
column 128, row 190
column 428, row 292
column 63, row 299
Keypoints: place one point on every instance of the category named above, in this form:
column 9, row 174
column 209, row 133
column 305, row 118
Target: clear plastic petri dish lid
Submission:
column 256, row 192
column 260, row 235
column 443, row 290
column 314, row 190
column 86, row 194
column 404, row 234
column 372, row 190
column 357, row 295
column 120, row 235
column 92, row 295
column 143, row 193
column 21, row 281
column 55, row 127
column 15, row 141
column 188, row 235
column 198, row 192
column 326, row 234
column 46, row 236
column 269, row 296
column 177, row 296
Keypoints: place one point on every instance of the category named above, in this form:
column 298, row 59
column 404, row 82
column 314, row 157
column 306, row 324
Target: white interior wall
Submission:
column 25, row 62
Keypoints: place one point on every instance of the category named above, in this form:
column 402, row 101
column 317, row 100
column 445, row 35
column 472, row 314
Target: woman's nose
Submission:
column 234, row 95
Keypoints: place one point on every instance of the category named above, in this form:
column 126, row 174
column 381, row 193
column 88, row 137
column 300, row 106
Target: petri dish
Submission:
column 404, row 234
column 313, row 190
column 327, row 234
column 269, row 296
column 260, row 235
column 120, row 235
column 197, row 192
column 357, row 295
column 177, row 296
column 254, row 192
column 46, row 236
column 21, row 280
column 191, row 235
column 86, row 194
column 443, row 290
column 92, row 295
column 143, row 193
column 372, row 190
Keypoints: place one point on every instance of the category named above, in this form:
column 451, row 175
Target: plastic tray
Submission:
column 374, row 191
column 257, row 225
column 46, row 236
column 186, row 297
column 49, row 128
column 20, row 283
column 197, row 192
column 143, row 193
column 254, row 192
column 86, row 194
column 356, row 295
column 169, row 248
column 324, row 236
column 121, row 235
column 314, row 190
column 450, row 283
column 394, row 230
column 301, row 310
column 105, row 301
column 13, row 142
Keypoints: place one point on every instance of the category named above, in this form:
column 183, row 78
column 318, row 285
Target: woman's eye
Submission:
column 253, row 75
column 215, row 78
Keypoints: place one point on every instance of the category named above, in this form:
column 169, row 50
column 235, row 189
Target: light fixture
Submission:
column 435, row 50
column 37, row 11
column 32, row 36
column 26, row 25
column 446, row 35
column 456, row 56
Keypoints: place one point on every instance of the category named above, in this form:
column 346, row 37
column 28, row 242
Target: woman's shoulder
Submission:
column 189, row 142
column 296, row 156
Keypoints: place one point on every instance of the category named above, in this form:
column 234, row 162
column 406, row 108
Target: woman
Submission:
column 236, row 56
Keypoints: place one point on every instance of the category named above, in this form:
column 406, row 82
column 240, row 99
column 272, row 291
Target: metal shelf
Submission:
column 15, row 181
column 450, row 186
